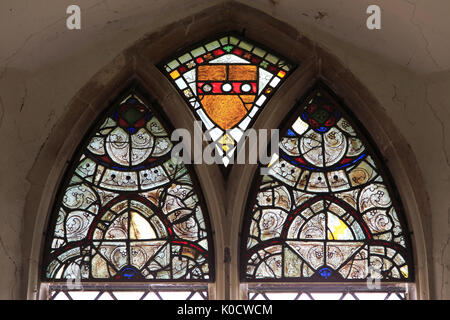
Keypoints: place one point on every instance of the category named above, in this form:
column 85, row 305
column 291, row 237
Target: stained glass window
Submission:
column 325, row 211
column 227, row 82
column 126, row 211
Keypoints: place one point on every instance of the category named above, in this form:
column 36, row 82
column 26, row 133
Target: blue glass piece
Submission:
column 353, row 162
column 141, row 167
column 296, row 163
column 359, row 158
column 132, row 100
column 131, row 130
column 129, row 272
column 325, row 272
column 322, row 129
column 305, row 115
column 290, row 133
column 344, row 165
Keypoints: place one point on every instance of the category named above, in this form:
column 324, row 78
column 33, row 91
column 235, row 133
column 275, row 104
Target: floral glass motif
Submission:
column 126, row 211
column 323, row 212
column 227, row 82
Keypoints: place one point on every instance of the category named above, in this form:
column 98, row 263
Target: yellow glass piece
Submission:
column 273, row 160
column 361, row 174
column 225, row 110
column 212, row 73
column 404, row 271
column 338, row 229
column 175, row 74
column 247, row 98
column 242, row 73
column 189, row 252
column 140, row 228
column 227, row 142
column 281, row 74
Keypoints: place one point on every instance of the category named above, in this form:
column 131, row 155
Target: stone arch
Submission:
column 225, row 199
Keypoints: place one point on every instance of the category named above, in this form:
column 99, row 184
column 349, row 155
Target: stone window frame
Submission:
column 138, row 64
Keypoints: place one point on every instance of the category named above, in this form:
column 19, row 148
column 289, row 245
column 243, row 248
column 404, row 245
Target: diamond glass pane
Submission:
column 162, row 293
column 326, row 294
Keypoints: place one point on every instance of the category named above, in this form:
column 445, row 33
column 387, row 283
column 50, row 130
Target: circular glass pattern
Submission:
column 226, row 87
column 207, row 87
column 245, row 87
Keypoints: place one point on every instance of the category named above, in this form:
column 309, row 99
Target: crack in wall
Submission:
column 418, row 26
column 396, row 100
column 49, row 118
column 188, row 27
column 297, row 39
column 23, row 99
column 411, row 58
column 2, row 111
column 446, row 156
column 443, row 266
column 438, row 119
column 320, row 15
column 11, row 57
column 16, row 269
column 8, row 59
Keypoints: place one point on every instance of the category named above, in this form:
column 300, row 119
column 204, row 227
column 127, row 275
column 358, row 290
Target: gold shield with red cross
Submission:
column 227, row 92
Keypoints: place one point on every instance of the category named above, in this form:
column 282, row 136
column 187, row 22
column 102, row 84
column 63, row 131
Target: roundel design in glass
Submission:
column 126, row 211
column 324, row 211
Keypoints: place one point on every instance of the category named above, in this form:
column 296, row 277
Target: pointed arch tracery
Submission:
column 326, row 210
column 125, row 211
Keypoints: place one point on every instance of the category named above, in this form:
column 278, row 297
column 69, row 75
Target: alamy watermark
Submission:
column 253, row 147
column 73, row 21
column 374, row 20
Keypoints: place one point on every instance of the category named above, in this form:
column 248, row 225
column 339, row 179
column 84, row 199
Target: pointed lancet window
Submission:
column 125, row 211
column 326, row 210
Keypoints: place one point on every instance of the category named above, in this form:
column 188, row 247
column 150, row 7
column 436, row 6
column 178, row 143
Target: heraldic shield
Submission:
column 227, row 92
column 227, row 82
